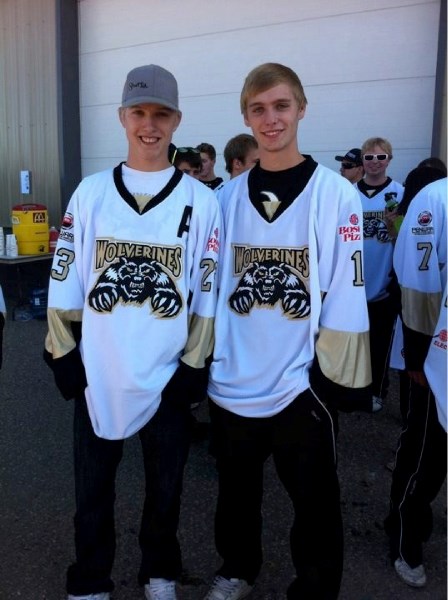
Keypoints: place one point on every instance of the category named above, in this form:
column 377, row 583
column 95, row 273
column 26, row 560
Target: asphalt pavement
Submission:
column 37, row 502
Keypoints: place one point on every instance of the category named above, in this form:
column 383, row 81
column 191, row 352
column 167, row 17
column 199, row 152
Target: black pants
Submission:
column 165, row 443
column 301, row 440
column 382, row 316
column 420, row 470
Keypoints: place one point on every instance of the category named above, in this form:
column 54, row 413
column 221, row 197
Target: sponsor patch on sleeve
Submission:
column 352, row 231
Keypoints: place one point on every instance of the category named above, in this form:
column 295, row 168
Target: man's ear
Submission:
column 178, row 120
column 121, row 114
column 302, row 112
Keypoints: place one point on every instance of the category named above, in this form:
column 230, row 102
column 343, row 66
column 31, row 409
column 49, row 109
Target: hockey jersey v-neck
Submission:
column 153, row 201
column 271, row 192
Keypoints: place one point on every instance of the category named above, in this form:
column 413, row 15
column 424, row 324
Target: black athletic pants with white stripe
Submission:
column 301, row 441
column 420, row 470
column 382, row 316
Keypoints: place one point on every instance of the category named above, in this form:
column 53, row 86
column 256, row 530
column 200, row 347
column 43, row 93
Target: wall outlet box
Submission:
column 25, row 182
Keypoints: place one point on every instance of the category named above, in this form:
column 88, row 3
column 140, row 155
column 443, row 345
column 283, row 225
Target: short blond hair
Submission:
column 377, row 141
column 267, row 76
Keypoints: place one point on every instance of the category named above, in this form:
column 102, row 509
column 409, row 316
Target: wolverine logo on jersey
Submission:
column 133, row 281
column 374, row 226
column 270, row 282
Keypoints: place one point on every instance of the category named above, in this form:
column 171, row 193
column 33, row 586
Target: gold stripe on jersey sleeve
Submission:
column 200, row 341
column 420, row 310
column 59, row 340
column 344, row 357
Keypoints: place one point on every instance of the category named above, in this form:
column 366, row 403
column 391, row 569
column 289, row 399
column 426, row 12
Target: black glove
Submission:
column 337, row 396
column 188, row 383
column 69, row 373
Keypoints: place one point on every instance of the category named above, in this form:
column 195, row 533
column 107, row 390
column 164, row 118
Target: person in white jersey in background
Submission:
column 130, row 314
column 420, row 262
column 379, row 193
column 287, row 352
column 435, row 366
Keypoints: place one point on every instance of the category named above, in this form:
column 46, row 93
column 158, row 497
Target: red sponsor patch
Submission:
column 424, row 218
column 213, row 243
column 350, row 233
column 443, row 336
column 67, row 221
column 354, row 219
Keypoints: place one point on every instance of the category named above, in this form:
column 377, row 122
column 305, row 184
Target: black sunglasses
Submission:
column 188, row 149
column 184, row 150
column 348, row 166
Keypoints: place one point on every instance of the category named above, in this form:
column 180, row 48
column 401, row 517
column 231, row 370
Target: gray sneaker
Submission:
column 99, row 596
column 228, row 589
column 414, row 577
column 160, row 589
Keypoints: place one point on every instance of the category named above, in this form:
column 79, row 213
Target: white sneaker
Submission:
column 160, row 589
column 377, row 404
column 99, row 596
column 228, row 589
column 414, row 577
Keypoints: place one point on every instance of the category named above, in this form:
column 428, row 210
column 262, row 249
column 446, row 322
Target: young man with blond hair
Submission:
column 133, row 276
column 378, row 194
column 287, row 352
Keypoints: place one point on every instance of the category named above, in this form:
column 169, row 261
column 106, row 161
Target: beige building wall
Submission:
column 369, row 69
column 28, row 105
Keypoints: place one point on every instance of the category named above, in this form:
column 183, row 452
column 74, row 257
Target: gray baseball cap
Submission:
column 150, row 84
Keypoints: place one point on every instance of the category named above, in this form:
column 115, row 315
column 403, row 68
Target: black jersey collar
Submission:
column 158, row 198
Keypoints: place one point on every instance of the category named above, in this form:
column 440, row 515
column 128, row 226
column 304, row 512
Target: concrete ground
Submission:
column 36, row 491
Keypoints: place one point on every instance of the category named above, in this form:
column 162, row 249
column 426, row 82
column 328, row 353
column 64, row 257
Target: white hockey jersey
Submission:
column 420, row 259
column 378, row 246
column 289, row 288
column 143, row 286
column 436, row 363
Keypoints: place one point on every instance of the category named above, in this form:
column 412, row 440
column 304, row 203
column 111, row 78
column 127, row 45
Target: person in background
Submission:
column 171, row 152
column 188, row 160
column 287, row 352
column 378, row 194
column 240, row 153
column 130, row 328
column 2, row 323
column 208, row 157
column 415, row 181
column 420, row 263
column 436, row 163
column 435, row 366
column 351, row 165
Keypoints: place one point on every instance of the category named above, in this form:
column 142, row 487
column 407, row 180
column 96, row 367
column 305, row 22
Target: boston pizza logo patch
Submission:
column 424, row 218
column 67, row 221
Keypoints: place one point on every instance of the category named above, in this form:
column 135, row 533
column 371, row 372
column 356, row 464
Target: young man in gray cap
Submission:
column 130, row 314
column 351, row 165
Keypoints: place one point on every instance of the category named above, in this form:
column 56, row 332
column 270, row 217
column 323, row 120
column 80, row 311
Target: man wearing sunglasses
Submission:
column 375, row 189
column 188, row 160
column 351, row 165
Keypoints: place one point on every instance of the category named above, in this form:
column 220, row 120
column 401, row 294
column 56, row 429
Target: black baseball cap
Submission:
column 353, row 156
